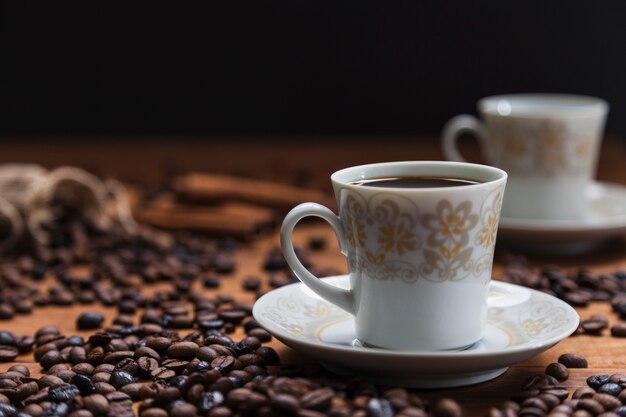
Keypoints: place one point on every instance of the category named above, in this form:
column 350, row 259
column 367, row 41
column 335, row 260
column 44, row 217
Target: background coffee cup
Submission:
column 547, row 143
column 419, row 258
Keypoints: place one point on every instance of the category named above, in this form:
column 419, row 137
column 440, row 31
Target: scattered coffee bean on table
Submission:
column 573, row 360
column 89, row 321
column 558, row 371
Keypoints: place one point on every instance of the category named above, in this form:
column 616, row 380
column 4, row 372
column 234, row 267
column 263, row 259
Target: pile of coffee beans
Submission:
column 173, row 352
column 545, row 395
column 577, row 288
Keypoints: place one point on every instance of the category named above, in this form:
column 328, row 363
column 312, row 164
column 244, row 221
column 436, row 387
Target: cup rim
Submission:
column 487, row 175
column 580, row 106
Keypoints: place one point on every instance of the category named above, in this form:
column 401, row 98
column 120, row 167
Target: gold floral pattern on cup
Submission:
column 550, row 147
column 383, row 230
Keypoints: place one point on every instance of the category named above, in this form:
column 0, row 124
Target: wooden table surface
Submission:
column 320, row 156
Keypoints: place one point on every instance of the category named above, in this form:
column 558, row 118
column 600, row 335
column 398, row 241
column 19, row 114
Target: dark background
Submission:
column 296, row 67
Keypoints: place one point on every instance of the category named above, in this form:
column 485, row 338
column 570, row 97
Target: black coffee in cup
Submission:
column 415, row 182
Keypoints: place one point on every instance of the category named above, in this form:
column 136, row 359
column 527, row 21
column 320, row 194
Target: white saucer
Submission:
column 606, row 219
column 521, row 324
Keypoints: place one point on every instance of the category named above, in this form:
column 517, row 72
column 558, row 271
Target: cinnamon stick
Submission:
column 232, row 218
column 211, row 188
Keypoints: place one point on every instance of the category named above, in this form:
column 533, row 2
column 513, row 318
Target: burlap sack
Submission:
column 31, row 191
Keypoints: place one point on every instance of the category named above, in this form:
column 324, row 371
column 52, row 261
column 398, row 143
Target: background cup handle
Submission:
column 463, row 123
column 335, row 295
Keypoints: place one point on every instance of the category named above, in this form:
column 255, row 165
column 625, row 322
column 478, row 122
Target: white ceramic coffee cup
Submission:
column 419, row 258
column 547, row 143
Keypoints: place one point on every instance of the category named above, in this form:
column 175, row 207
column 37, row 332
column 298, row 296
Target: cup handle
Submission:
column 463, row 123
column 335, row 295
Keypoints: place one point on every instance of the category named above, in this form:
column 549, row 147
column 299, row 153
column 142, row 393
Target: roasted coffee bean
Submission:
column 183, row 350
column 595, row 381
column 43, row 349
column 535, row 402
column 81, row 413
column 128, row 365
column 6, row 312
column 318, row 400
column 182, row 408
column 572, row 360
column 583, row 392
column 83, row 368
column 147, row 365
column 618, row 330
column 145, row 351
column 285, row 402
column 558, row 371
column 610, row 388
column 24, row 343
column 268, row 354
column 132, row 390
column 7, row 338
column 159, row 344
column 232, row 316
column 316, row 243
column 210, row 324
column 225, row 363
column 117, row 356
column 379, row 407
column 56, row 409
column 84, row 384
column 223, row 264
column 245, row 401
column 620, row 411
column 49, row 381
column 95, row 356
column 120, row 378
column 166, row 395
column 104, row 367
column 77, row 355
column 34, row 410
column 591, row 405
column 25, row 390
column 154, row 412
column 211, row 281
column 100, row 339
column 550, row 400
column 89, row 320
column 97, row 404
column 594, row 325
column 210, row 401
column 38, row 397
column 63, row 392
column 251, row 359
column 162, row 374
column 447, row 407
column 104, row 387
column 22, row 369
column 251, row 283
column 50, row 359
column 608, row 402
column 175, row 365
column 261, row 334
column 8, row 353
column 101, row 377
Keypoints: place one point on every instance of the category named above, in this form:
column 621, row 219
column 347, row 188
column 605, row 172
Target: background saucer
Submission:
column 521, row 324
column 606, row 220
